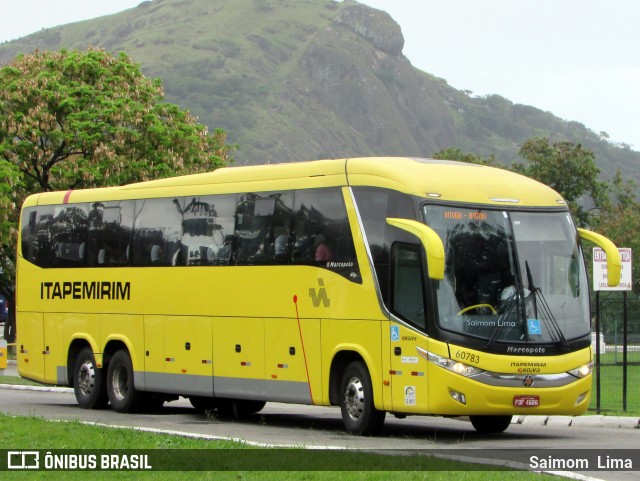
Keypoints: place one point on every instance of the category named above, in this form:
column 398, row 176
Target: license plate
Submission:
column 526, row 401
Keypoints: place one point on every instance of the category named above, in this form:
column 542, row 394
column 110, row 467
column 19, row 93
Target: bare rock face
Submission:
column 375, row 26
column 377, row 102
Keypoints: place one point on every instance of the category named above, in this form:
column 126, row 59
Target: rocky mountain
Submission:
column 295, row 80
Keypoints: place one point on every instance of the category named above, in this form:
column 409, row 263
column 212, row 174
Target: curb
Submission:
column 18, row 387
column 595, row 421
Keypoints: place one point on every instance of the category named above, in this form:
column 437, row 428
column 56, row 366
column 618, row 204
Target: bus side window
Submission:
column 69, row 235
column 157, row 232
column 375, row 205
column 321, row 229
column 110, row 233
column 244, row 232
column 222, row 239
column 207, row 229
column 407, row 287
column 36, row 235
column 263, row 229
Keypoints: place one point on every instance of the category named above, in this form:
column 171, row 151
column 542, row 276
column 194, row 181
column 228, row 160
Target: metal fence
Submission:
column 619, row 381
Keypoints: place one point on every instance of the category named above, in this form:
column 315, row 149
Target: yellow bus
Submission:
column 380, row 285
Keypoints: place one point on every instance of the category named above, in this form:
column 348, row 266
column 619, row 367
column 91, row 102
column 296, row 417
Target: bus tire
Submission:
column 88, row 384
column 490, row 424
column 123, row 395
column 359, row 415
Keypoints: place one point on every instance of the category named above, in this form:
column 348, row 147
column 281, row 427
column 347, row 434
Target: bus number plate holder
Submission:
column 526, row 401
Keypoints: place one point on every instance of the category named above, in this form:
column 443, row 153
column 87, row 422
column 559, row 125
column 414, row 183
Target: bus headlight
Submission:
column 449, row 364
column 581, row 371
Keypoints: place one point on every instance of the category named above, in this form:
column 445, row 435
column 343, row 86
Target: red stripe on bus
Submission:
column 304, row 353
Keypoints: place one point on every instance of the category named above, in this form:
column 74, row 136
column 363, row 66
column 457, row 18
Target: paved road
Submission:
column 280, row 424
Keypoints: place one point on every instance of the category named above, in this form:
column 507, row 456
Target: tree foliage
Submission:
column 619, row 220
column 72, row 119
column 454, row 153
column 569, row 169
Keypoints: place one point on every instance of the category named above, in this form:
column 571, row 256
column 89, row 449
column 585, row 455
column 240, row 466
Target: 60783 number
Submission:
column 468, row 357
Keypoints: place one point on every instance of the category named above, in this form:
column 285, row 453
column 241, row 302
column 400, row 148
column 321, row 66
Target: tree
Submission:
column 569, row 169
column 454, row 153
column 619, row 220
column 72, row 119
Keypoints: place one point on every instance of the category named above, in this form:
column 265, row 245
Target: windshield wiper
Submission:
column 532, row 288
column 547, row 315
column 506, row 312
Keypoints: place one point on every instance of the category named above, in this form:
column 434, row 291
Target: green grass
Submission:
column 18, row 381
column 611, row 386
column 35, row 433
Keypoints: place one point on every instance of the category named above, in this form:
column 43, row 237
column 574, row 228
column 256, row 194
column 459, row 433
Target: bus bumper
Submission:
column 453, row 394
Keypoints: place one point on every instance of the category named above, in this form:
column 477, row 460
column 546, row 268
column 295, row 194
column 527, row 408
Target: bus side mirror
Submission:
column 614, row 265
column 430, row 241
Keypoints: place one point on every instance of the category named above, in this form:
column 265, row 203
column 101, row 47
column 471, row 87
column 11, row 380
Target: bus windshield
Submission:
column 514, row 277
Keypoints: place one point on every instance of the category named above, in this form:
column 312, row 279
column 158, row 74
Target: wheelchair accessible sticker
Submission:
column 395, row 333
column 533, row 327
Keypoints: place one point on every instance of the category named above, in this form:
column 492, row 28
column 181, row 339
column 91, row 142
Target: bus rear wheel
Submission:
column 123, row 395
column 88, row 384
column 359, row 415
column 490, row 424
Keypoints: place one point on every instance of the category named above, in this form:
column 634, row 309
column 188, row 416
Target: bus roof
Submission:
column 452, row 181
column 438, row 179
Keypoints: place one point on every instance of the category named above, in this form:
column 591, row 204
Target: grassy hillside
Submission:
column 302, row 79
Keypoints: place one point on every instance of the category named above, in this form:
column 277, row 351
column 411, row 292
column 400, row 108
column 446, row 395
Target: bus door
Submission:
column 408, row 371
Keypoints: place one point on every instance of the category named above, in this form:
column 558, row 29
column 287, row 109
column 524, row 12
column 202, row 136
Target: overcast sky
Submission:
column 579, row 59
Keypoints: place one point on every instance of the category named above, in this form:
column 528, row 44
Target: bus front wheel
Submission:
column 123, row 395
column 490, row 424
column 88, row 385
column 359, row 415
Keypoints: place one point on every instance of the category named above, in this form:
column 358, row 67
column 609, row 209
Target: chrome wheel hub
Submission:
column 354, row 399
column 87, row 378
column 120, row 382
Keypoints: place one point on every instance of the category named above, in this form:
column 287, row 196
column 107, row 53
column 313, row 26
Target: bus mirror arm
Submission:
column 614, row 265
column 430, row 241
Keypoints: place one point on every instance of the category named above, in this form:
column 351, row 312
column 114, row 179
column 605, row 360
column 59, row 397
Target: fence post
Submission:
column 625, row 343
column 598, row 352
